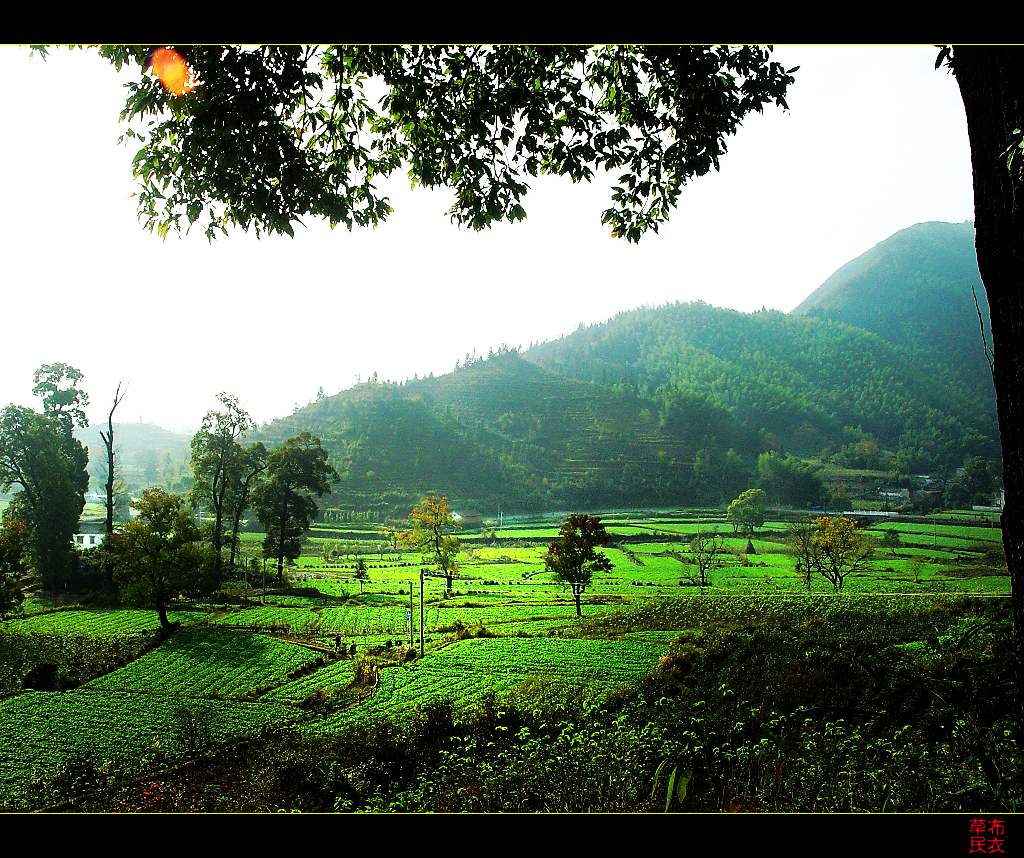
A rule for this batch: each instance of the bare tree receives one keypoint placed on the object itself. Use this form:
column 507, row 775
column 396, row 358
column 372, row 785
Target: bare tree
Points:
column 108, row 442
column 800, row 538
column 706, row 552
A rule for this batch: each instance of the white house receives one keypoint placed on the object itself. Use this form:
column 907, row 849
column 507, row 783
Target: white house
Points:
column 91, row 533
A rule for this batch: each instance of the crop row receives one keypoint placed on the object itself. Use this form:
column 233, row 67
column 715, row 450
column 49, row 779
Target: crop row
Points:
column 331, row 677
column 201, row 662
column 466, row 671
column 99, row 623
column 39, row 730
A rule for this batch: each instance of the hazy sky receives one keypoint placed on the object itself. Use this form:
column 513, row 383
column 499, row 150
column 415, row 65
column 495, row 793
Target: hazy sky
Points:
column 875, row 140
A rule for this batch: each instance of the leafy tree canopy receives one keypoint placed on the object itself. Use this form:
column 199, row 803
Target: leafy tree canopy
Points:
column 159, row 554
column 747, row 511
column 40, row 455
column 263, row 137
column 217, row 461
column 573, row 558
column 57, row 385
column 431, row 523
column 295, row 471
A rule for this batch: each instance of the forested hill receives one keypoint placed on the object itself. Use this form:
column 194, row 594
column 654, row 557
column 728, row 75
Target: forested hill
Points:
column 504, row 431
column 914, row 289
column 674, row 404
column 804, row 383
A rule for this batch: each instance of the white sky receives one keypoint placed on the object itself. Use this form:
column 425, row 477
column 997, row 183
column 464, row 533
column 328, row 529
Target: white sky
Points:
column 875, row 140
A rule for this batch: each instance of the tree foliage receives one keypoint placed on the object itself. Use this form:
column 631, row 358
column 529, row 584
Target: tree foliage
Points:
column 838, row 549
column 573, row 558
column 788, row 481
column 159, row 554
column 891, row 540
column 40, row 455
column 295, row 472
column 273, row 134
column 57, row 385
column 217, row 462
column 430, row 533
column 14, row 547
column 975, row 483
column 746, row 512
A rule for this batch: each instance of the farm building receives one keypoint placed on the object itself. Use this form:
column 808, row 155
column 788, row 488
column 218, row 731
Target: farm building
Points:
column 469, row 519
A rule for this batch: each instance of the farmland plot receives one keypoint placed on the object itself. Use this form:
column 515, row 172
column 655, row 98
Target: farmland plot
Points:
column 204, row 662
column 100, row 623
column 466, row 671
column 40, row 729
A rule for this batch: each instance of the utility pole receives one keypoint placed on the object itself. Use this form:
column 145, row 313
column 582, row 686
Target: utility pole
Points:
column 422, row 575
column 410, row 616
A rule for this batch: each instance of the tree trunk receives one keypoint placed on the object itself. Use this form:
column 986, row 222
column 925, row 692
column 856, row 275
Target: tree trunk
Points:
column 218, row 542
column 236, row 523
column 991, row 81
column 576, row 595
column 448, row 583
column 280, row 541
column 161, row 609
column 108, row 442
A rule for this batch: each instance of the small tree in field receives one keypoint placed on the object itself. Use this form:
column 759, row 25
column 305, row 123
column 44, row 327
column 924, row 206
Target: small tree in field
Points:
column 892, row 541
column 432, row 522
column 361, row 573
column 800, row 539
column 839, row 549
column 706, row 550
column 159, row 554
column 572, row 557
column 283, row 501
column 747, row 513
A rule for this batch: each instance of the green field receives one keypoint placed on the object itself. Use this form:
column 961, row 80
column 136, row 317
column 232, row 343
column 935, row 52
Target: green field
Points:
column 40, row 730
column 507, row 628
column 100, row 623
column 208, row 662
column 464, row 672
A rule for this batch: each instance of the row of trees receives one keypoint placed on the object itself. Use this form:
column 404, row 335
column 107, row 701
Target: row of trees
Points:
column 833, row 547
column 163, row 552
column 230, row 478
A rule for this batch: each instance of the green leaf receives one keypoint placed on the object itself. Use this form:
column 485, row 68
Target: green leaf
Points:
column 682, row 785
